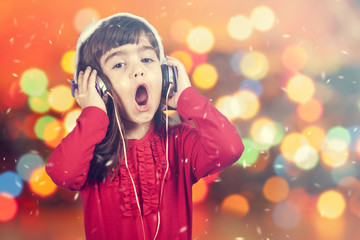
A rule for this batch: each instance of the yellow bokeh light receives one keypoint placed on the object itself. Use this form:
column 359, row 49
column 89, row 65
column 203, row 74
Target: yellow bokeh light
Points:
column 199, row 191
column 276, row 189
column 248, row 104
column 263, row 131
column 70, row 119
column 254, row 65
column 290, row 144
column 239, row 27
column 300, row 88
column 315, row 136
column 205, row 76
column 262, row 18
column 68, row 61
column 235, row 204
column 84, row 17
column 200, row 39
column 310, row 111
column 40, row 183
column 179, row 30
column 331, row 204
column 53, row 133
column 294, row 57
column 335, row 152
column 228, row 106
column 60, row 98
column 185, row 58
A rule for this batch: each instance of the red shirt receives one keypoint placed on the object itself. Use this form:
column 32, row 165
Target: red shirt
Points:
column 110, row 209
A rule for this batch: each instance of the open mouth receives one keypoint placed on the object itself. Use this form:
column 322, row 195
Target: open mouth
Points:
column 141, row 96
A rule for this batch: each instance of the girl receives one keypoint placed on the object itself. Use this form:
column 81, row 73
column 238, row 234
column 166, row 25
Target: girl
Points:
column 135, row 174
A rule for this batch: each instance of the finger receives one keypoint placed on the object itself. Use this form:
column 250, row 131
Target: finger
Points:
column 86, row 79
column 79, row 82
column 92, row 79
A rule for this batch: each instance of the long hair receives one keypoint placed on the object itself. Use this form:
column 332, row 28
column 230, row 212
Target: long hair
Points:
column 111, row 34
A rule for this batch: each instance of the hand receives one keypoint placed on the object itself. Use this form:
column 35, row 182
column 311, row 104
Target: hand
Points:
column 86, row 94
column 183, row 81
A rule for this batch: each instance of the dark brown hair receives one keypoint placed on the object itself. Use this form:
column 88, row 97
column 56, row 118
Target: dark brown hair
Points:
column 113, row 33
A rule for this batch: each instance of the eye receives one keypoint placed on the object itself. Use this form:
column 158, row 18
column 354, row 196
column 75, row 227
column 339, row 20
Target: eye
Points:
column 147, row 60
column 119, row 65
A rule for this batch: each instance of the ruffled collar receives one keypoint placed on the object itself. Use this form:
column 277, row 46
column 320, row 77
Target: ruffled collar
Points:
column 147, row 164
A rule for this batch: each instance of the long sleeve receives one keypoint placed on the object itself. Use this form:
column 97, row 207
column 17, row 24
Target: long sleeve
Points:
column 213, row 143
column 69, row 163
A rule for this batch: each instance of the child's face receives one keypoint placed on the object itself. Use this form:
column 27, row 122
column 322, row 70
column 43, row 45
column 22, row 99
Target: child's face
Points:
column 135, row 73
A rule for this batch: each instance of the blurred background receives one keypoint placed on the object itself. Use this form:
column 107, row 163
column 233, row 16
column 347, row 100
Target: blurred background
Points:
column 285, row 73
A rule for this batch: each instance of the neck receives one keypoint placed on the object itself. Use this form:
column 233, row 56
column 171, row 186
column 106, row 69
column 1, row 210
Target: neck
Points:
column 136, row 131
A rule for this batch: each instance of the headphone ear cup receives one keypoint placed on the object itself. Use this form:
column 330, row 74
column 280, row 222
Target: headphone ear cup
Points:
column 100, row 86
column 165, row 79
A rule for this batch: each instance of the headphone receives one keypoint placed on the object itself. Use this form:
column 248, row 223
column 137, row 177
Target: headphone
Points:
column 169, row 77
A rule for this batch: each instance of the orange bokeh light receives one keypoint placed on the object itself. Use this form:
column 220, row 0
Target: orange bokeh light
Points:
column 40, row 183
column 199, row 191
column 310, row 111
column 315, row 136
column 236, row 204
column 276, row 189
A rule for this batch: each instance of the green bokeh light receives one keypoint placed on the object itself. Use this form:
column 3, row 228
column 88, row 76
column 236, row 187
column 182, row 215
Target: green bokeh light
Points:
column 41, row 124
column 339, row 132
column 250, row 155
column 33, row 82
column 39, row 104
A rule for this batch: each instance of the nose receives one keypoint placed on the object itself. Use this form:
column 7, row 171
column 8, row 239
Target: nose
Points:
column 138, row 71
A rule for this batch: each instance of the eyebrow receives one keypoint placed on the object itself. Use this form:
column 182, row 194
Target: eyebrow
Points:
column 122, row 52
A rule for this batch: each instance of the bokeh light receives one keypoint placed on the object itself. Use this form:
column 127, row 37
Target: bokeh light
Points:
column 199, row 191
column 243, row 104
column 85, row 16
column 310, row 111
column 8, row 207
column 248, row 104
column 315, row 136
column 185, row 58
column 250, row 154
column 286, row 215
column 254, row 86
column 263, row 130
column 340, row 133
column 27, row 163
column 331, row 204
column 33, row 82
column 205, row 76
column 53, row 133
column 291, row 143
column 254, row 65
column 300, row 88
column 294, row 57
column 68, row 61
column 70, row 119
column 276, row 189
column 40, row 183
column 200, row 39
column 335, row 152
column 39, row 104
column 11, row 183
column 239, row 27
column 306, row 157
column 262, row 18
column 41, row 124
column 235, row 204
column 60, row 98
